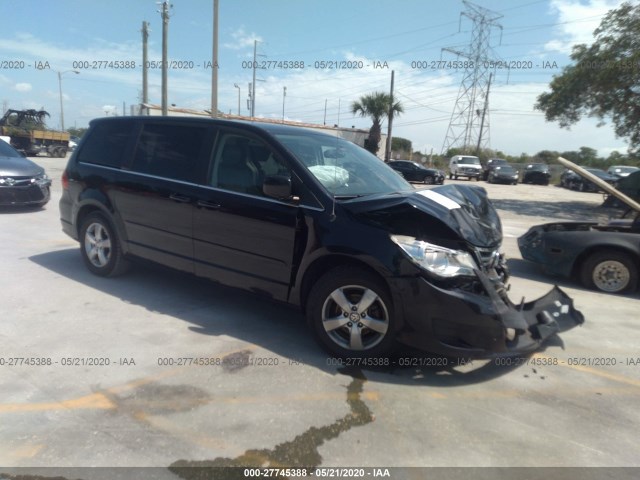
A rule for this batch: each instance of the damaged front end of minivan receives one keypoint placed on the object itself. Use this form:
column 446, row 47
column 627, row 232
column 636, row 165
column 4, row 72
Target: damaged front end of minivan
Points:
column 451, row 280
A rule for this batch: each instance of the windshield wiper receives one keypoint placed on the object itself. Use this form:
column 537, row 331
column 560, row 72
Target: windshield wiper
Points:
column 348, row 197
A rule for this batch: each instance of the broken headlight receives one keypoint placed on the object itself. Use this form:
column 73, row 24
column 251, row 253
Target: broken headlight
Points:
column 440, row 261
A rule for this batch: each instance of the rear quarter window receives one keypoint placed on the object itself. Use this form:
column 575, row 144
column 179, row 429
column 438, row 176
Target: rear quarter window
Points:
column 106, row 144
column 170, row 151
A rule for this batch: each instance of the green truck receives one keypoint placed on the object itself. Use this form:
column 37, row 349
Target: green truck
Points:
column 28, row 133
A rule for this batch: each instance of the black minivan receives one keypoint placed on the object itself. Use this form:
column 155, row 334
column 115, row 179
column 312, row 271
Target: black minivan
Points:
column 308, row 219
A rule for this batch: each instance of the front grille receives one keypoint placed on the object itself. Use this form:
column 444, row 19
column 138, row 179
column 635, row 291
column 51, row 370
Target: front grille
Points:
column 8, row 182
column 489, row 258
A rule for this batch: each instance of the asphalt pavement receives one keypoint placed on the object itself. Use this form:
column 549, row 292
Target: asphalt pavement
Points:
column 161, row 369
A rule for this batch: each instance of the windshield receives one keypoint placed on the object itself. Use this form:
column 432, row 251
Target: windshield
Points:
column 537, row 166
column 625, row 169
column 597, row 172
column 7, row 150
column 469, row 161
column 342, row 167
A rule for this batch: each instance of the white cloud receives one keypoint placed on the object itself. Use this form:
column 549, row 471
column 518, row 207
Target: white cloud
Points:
column 22, row 87
column 578, row 21
column 242, row 39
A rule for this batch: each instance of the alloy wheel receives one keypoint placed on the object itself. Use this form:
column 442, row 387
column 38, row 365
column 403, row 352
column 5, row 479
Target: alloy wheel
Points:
column 355, row 318
column 97, row 244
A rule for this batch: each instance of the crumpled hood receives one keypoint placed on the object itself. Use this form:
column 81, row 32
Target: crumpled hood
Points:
column 464, row 209
column 19, row 167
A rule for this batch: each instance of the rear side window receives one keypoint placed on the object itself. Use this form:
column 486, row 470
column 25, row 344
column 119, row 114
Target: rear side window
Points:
column 106, row 144
column 169, row 151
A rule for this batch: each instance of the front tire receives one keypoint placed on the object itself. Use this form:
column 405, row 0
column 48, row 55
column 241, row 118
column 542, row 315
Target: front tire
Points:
column 428, row 180
column 351, row 314
column 610, row 271
column 100, row 247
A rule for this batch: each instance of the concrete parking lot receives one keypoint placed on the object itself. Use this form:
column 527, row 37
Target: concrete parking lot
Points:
column 157, row 368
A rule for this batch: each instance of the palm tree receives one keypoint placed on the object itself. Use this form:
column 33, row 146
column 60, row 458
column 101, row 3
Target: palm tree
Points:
column 375, row 105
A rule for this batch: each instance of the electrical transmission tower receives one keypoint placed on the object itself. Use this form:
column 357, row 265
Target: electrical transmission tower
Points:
column 469, row 124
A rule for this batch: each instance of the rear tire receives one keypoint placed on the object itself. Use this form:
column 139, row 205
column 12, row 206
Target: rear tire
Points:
column 610, row 271
column 100, row 247
column 351, row 314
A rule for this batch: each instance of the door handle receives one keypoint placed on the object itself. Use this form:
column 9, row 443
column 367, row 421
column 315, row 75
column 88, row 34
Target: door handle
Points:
column 207, row 204
column 176, row 197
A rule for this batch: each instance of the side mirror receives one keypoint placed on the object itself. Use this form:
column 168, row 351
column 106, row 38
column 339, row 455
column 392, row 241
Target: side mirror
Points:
column 277, row 186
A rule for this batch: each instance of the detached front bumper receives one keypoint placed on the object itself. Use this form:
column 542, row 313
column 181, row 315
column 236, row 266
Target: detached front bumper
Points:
column 459, row 323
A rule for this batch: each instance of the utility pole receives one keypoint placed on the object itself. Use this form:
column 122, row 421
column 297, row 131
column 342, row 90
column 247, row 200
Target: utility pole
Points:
column 464, row 127
column 145, row 62
column 253, row 93
column 60, row 90
column 324, row 122
column 387, row 153
column 252, row 90
column 214, row 73
column 165, row 33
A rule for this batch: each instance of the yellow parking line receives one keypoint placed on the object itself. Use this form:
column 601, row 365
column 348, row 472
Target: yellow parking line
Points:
column 26, row 451
column 95, row 401
column 99, row 400
column 594, row 371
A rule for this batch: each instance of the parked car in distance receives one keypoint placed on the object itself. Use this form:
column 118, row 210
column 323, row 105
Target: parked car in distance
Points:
column 621, row 171
column 629, row 186
column 466, row 166
column 414, row 172
column 491, row 164
column 585, row 185
column 603, row 257
column 504, row 174
column 307, row 219
column 568, row 178
column 536, row 173
column 22, row 182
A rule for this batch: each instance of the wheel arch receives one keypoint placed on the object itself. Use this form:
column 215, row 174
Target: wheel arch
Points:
column 326, row 263
column 580, row 259
column 86, row 210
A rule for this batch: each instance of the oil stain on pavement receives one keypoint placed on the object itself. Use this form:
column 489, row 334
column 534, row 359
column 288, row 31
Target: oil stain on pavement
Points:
column 302, row 451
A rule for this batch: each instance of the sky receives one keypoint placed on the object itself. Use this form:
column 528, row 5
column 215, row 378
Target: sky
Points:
column 43, row 44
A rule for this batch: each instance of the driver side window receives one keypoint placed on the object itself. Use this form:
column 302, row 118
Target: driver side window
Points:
column 241, row 164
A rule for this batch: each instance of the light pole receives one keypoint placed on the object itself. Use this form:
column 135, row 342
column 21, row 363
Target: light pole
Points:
column 60, row 89
column 238, row 87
